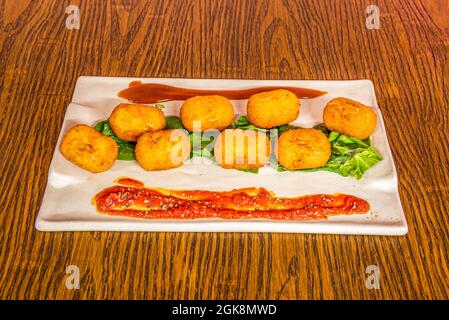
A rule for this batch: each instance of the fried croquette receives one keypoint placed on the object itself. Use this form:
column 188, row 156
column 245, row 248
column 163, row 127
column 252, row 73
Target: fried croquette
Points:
column 201, row 113
column 303, row 149
column 350, row 117
column 129, row 121
column 242, row 149
column 162, row 150
column 272, row 108
column 89, row 149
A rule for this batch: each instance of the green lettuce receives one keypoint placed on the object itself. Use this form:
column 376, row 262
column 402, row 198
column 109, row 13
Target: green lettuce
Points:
column 243, row 123
column 250, row 170
column 126, row 150
column 350, row 156
column 173, row 122
column 205, row 144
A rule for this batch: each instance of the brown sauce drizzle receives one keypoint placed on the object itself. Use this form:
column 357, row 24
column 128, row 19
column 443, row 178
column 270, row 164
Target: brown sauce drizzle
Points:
column 139, row 92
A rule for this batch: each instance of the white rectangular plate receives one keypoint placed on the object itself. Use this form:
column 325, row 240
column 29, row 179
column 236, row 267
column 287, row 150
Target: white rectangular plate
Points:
column 67, row 206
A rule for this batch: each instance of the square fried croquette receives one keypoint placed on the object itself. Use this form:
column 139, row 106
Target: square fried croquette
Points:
column 272, row 108
column 242, row 149
column 209, row 112
column 303, row 149
column 89, row 149
column 350, row 117
column 162, row 150
column 129, row 121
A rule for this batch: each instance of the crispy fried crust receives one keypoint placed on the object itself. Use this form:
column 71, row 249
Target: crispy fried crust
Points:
column 129, row 121
column 303, row 149
column 242, row 149
column 214, row 112
column 162, row 150
column 350, row 117
column 272, row 108
column 89, row 149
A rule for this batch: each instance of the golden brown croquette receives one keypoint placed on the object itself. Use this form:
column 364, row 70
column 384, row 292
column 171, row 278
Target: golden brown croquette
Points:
column 303, row 149
column 89, row 149
column 162, row 150
column 129, row 121
column 350, row 117
column 272, row 108
column 242, row 149
column 207, row 112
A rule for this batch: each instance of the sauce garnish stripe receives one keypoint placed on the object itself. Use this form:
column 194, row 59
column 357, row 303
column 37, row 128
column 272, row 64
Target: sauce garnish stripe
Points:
column 130, row 198
column 139, row 92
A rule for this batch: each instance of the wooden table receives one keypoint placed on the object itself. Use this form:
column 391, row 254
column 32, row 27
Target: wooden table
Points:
column 407, row 59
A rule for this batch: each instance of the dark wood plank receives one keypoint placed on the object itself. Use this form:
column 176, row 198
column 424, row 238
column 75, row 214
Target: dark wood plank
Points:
column 407, row 59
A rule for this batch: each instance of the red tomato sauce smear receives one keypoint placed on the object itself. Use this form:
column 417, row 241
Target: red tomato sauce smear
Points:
column 132, row 199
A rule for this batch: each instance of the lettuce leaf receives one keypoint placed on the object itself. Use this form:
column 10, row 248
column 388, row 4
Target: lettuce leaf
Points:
column 250, row 170
column 350, row 156
column 202, row 145
column 244, row 124
column 126, row 150
column 173, row 122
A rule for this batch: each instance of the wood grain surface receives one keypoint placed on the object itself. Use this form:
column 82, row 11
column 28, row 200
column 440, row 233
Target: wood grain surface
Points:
column 407, row 59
